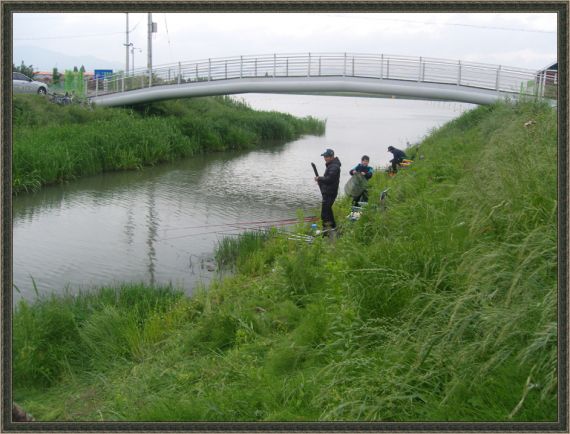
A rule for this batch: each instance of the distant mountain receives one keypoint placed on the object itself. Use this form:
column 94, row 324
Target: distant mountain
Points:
column 45, row 60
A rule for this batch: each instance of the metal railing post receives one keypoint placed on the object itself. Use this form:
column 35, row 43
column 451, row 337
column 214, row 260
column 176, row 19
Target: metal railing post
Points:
column 150, row 78
column 543, row 87
column 122, row 82
column 459, row 74
column 209, row 69
column 353, row 65
column 179, row 72
column 388, row 68
column 240, row 66
column 381, row 66
column 287, row 67
column 320, row 58
column 420, row 71
column 274, row 64
column 344, row 71
column 96, row 86
column 226, row 69
column 309, row 66
column 255, row 67
column 498, row 77
column 196, row 72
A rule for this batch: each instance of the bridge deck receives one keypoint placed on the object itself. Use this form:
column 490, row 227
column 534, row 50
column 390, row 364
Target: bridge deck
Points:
column 344, row 73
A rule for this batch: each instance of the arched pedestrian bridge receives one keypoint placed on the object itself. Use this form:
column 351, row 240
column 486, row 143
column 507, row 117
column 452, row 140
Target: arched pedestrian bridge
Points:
column 376, row 75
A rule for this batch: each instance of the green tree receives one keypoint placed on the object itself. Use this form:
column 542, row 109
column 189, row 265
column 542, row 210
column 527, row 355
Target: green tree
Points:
column 69, row 82
column 26, row 70
column 75, row 69
column 82, row 69
column 55, row 76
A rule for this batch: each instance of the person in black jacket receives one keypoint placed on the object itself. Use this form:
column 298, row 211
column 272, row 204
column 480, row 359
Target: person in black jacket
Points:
column 328, row 183
column 399, row 156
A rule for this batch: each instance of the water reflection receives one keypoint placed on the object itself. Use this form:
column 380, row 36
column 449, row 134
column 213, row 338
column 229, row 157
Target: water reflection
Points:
column 152, row 224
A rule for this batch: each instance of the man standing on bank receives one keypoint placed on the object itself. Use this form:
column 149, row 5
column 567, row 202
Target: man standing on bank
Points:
column 328, row 183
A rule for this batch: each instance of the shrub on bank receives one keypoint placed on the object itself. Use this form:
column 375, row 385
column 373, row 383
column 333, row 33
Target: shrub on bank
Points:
column 54, row 144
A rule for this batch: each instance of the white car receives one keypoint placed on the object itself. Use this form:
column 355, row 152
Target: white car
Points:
column 23, row 84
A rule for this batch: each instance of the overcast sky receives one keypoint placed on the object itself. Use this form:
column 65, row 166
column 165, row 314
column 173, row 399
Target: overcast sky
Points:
column 526, row 40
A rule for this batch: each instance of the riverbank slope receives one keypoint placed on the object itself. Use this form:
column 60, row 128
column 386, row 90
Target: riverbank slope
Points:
column 438, row 305
column 54, row 143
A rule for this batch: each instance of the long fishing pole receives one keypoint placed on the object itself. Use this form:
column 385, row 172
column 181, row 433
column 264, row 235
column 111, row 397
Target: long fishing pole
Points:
column 240, row 225
column 316, row 174
column 259, row 222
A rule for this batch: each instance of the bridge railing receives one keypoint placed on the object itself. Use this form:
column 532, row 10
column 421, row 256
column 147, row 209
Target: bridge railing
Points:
column 375, row 66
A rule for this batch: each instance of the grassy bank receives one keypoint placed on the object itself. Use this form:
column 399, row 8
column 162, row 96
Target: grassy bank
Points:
column 440, row 307
column 53, row 143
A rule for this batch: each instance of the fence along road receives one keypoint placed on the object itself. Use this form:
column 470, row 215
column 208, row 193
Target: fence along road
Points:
column 326, row 74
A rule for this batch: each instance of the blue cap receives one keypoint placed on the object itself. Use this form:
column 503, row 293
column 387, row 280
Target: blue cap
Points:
column 328, row 153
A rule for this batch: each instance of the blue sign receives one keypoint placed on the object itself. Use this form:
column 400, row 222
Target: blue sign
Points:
column 101, row 73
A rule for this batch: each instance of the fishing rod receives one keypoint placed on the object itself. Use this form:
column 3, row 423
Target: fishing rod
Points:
column 315, row 169
column 240, row 225
column 316, row 174
column 260, row 222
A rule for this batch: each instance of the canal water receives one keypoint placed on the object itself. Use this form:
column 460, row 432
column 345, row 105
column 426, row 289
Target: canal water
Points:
column 162, row 224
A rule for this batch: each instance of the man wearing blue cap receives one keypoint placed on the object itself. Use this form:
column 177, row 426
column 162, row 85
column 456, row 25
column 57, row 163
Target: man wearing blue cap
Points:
column 328, row 183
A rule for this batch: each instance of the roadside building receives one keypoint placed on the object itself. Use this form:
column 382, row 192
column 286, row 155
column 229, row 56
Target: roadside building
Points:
column 44, row 77
column 549, row 74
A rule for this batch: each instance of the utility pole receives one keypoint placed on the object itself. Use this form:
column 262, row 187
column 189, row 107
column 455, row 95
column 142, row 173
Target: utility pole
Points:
column 149, row 45
column 151, row 29
column 127, row 45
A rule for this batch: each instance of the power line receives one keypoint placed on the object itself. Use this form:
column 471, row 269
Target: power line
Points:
column 168, row 38
column 97, row 35
column 69, row 37
column 479, row 26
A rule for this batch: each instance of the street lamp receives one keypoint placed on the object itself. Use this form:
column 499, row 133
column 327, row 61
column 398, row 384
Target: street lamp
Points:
column 127, row 46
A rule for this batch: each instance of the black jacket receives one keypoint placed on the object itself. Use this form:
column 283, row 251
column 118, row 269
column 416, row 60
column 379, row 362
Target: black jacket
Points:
column 398, row 155
column 330, row 179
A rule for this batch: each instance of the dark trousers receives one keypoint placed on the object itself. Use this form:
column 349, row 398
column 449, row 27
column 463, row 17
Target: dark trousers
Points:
column 327, row 215
column 395, row 163
column 362, row 198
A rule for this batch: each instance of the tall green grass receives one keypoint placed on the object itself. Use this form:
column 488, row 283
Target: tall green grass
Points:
column 233, row 253
column 54, row 144
column 440, row 306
